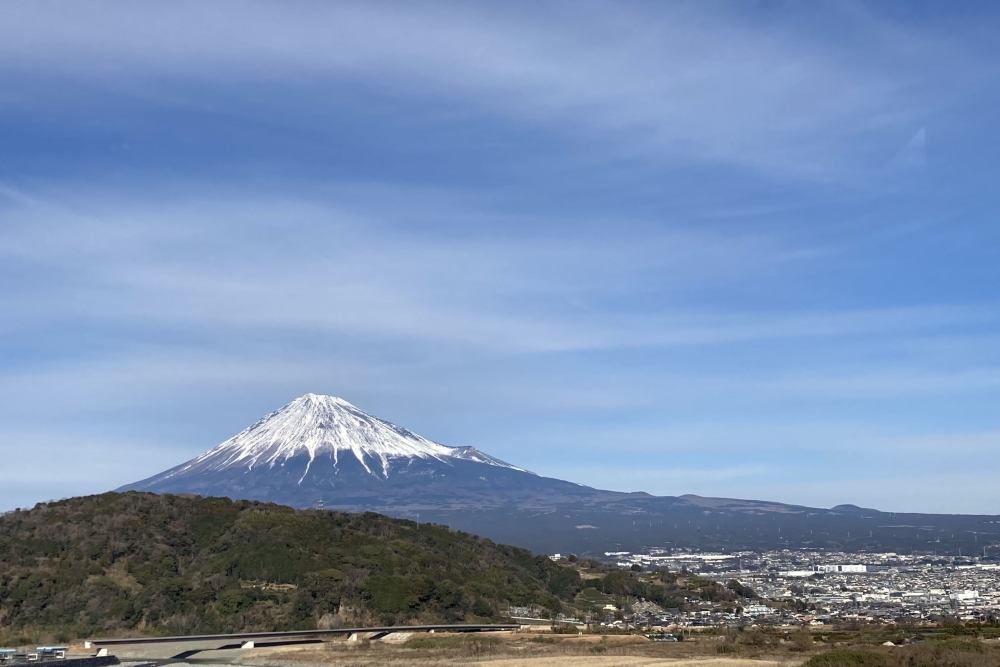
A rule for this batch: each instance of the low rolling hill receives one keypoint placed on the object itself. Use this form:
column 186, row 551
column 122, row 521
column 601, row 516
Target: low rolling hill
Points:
column 140, row 563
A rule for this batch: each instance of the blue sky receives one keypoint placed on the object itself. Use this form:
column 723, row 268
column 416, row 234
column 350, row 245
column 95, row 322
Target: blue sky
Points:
column 742, row 249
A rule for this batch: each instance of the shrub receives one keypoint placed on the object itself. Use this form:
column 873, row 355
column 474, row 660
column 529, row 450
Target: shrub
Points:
column 847, row 658
column 565, row 629
column 962, row 645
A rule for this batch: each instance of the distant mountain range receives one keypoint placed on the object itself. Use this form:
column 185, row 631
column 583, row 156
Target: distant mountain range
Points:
column 323, row 450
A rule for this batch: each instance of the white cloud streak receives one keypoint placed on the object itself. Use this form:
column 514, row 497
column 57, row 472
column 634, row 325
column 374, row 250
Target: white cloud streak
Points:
column 316, row 266
column 674, row 84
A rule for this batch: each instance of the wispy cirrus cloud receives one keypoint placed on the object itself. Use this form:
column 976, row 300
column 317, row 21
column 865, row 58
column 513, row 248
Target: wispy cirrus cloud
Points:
column 681, row 83
column 323, row 265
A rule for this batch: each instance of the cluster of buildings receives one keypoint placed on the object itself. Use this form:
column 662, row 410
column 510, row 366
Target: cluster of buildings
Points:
column 795, row 587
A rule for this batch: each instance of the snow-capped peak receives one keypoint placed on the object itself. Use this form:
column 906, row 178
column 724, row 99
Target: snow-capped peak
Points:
column 317, row 425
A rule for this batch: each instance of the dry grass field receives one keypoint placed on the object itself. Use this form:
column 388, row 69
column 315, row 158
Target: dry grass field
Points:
column 870, row 647
column 522, row 650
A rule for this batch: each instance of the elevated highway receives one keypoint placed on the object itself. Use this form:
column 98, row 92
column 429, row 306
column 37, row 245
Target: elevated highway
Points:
column 182, row 647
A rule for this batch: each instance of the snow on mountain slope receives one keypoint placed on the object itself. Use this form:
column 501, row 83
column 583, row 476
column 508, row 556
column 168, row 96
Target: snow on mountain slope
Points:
column 315, row 426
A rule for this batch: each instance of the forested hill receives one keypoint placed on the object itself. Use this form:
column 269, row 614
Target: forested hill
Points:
column 142, row 563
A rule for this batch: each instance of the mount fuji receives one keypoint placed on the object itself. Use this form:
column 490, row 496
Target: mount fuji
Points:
column 323, row 451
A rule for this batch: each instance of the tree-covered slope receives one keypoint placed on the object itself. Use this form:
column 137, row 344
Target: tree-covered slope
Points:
column 142, row 563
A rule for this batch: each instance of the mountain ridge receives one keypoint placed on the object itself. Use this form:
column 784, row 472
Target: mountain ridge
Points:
column 323, row 450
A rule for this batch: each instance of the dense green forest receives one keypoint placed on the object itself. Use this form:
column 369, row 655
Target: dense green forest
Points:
column 138, row 563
